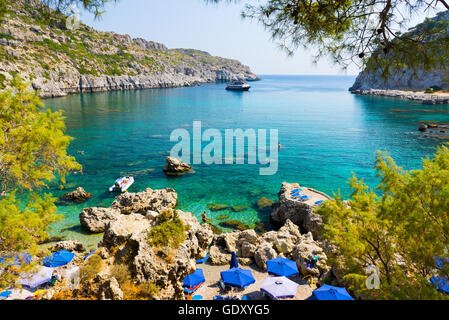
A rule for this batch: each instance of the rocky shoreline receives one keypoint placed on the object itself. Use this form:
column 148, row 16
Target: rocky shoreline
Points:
column 128, row 223
column 58, row 61
column 425, row 98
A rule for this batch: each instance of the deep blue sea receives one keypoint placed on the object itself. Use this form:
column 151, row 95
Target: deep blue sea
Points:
column 326, row 133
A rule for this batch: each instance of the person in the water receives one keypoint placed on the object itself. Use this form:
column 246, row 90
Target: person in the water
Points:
column 205, row 218
column 279, row 145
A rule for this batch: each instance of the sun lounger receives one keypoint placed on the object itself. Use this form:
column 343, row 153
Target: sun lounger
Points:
column 191, row 290
column 218, row 297
column 319, row 202
column 197, row 297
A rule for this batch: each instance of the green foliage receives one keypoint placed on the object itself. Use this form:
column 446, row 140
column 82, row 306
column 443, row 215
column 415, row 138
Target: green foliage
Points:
column 22, row 228
column 353, row 31
column 399, row 231
column 32, row 152
column 32, row 141
column 170, row 232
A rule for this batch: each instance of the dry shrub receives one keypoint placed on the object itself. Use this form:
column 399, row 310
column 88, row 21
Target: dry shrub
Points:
column 144, row 291
column 121, row 273
column 62, row 295
column 91, row 267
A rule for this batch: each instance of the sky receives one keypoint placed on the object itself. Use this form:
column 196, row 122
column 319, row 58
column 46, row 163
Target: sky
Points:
column 216, row 28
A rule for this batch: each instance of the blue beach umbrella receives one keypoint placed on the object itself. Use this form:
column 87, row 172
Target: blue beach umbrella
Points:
column 5, row 294
column 237, row 277
column 282, row 267
column 194, row 279
column 58, row 259
column 327, row 292
column 234, row 263
column 20, row 258
column 441, row 284
column 296, row 190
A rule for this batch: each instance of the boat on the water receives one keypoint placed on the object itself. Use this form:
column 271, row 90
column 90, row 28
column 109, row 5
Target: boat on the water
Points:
column 238, row 85
column 122, row 184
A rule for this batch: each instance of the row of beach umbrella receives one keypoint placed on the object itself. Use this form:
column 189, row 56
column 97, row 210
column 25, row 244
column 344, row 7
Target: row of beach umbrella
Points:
column 277, row 287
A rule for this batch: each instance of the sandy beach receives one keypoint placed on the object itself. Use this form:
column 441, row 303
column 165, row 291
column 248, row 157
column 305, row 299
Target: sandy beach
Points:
column 211, row 288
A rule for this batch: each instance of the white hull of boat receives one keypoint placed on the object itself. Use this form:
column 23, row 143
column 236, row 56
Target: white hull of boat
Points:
column 122, row 184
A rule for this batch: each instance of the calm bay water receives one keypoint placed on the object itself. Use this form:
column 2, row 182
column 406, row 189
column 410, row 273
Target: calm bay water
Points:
column 326, row 134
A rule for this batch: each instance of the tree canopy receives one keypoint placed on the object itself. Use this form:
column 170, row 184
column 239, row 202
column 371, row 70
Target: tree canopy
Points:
column 352, row 31
column 400, row 232
column 33, row 152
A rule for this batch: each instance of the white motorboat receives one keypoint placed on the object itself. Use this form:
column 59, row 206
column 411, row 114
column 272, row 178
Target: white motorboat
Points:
column 238, row 85
column 122, row 184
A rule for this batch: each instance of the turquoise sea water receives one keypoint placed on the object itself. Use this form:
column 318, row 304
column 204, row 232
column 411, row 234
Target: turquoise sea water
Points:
column 326, row 134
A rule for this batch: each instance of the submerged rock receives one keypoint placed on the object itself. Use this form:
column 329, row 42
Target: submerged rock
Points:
column 79, row 195
column 264, row 203
column 217, row 207
column 174, row 166
column 234, row 224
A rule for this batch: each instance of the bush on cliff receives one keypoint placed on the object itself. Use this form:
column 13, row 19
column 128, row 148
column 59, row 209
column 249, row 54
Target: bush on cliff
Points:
column 399, row 232
column 170, row 232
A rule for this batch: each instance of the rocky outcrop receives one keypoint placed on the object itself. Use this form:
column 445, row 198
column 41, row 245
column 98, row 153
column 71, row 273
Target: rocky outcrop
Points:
column 69, row 245
column 58, row 62
column 174, row 166
column 96, row 219
column 146, row 201
column 299, row 212
column 79, row 195
column 287, row 242
column 400, row 82
column 310, row 257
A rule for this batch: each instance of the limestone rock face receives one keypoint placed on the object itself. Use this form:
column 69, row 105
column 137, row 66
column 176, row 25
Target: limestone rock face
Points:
column 300, row 213
column 108, row 288
column 123, row 228
column 96, row 219
column 79, row 195
column 305, row 254
column 174, row 166
column 217, row 256
column 263, row 253
column 69, row 245
column 139, row 64
column 126, row 240
column 148, row 200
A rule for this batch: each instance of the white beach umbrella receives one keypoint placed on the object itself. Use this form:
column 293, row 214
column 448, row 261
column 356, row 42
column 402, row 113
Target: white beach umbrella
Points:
column 35, row 279
column 279, row 287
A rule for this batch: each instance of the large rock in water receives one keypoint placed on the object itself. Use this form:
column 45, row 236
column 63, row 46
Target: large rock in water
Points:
column 96, row 219
column 175, row 166
column 79, row 195
column 299, row 212
column 148, row 200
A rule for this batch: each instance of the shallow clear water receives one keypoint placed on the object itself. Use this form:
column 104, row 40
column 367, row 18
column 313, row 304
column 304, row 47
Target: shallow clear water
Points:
column 326, row 134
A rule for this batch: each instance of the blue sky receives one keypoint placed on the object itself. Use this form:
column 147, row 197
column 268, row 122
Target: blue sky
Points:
column 215, row 28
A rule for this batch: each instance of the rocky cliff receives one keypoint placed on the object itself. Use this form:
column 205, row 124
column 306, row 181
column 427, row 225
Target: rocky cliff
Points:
column 416, row 78
column 59, row 61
